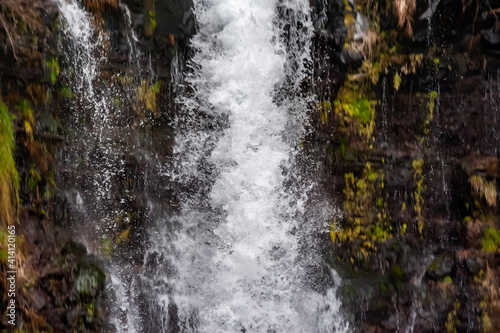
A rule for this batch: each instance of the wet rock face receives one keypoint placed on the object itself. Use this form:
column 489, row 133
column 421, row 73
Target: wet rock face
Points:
column 409, row 138
column 175, row 18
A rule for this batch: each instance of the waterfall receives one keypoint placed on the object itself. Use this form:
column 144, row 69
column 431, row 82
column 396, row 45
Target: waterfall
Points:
column 239, row 253
column 232, row 257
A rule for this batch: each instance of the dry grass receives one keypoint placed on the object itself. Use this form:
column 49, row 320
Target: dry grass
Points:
column 488, row 189
column 404, row 11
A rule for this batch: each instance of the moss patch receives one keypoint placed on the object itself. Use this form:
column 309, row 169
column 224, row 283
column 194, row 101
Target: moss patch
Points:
column 9, row 178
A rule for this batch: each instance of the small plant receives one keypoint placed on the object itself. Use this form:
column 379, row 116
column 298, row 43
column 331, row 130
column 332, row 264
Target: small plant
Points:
column 150, row 24
column 34, row 178
column 106, row 246
column 397, row 81
column 86, row 283
column 27, row 118
column 447, row 279
column 152, row 18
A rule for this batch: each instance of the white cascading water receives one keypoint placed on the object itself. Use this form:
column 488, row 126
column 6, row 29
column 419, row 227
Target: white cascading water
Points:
column 234, row 260
column 86, row 55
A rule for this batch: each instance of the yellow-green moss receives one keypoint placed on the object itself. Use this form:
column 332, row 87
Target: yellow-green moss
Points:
column 430, row 115
column 9, row 178
column 417, row 195
column 397, row 81
column 357, row 113
column 491, row 240
column 452, row 321
column 364, row 206
column 147, row 95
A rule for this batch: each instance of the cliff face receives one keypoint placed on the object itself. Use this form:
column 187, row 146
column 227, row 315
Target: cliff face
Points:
column 408, row 129
column 60, row 287
column 405, row 131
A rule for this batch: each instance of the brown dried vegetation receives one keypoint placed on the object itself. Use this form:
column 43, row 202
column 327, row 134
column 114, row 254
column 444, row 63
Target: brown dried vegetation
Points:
column 404, row 11
column 97, row 6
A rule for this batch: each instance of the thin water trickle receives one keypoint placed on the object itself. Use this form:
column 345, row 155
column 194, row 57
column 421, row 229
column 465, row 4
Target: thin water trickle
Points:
column 384, row 108
column 132, row 40
column 94, row 157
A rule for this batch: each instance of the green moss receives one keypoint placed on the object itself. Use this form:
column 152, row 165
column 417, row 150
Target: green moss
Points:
column 360, row 108
column 348, row 291
column 66, row 92
column 485, row 321
column 9, row 178
column 34, row 178
column 89, row 279
column 343, row 146
column 396, row 275
column 491, row 240
column 53, row 64
column 381, row 233
column 356, row 113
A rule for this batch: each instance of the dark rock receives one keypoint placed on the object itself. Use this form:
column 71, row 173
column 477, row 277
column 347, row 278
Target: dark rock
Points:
column 474, row 265
column 175, row 17
column 72, row 247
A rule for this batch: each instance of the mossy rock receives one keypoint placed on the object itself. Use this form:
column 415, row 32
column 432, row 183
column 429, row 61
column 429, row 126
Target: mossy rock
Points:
column 441, row 266
column 89, row 279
